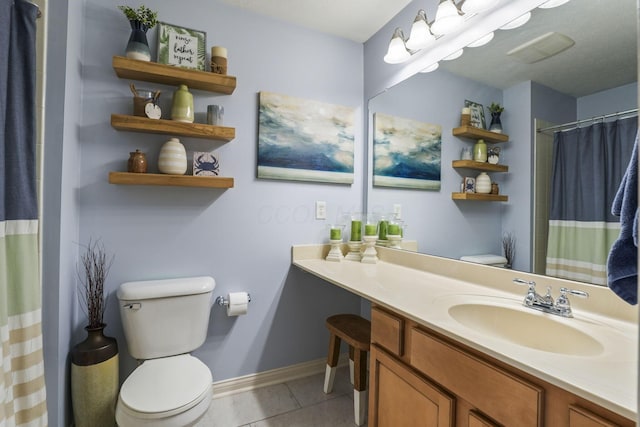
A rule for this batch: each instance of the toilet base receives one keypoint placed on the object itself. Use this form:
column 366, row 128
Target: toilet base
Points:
column 125, row 417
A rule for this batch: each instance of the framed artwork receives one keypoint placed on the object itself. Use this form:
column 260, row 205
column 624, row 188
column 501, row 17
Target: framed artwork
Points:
column 406, row 153
column 304, row 140
column 182, row 47
column 469, row 185
column 205, row 164
column 477, row 114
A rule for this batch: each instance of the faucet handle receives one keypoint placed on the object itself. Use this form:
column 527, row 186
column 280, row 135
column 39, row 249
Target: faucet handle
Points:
column 562, row 303
column 531, row 284
column 576, row 292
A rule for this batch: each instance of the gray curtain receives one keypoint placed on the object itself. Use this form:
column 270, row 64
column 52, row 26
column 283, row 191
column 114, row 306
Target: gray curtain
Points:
column 22, row 388
column 588, row 165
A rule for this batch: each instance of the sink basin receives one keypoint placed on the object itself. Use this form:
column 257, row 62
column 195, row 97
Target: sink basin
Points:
column 526, row 327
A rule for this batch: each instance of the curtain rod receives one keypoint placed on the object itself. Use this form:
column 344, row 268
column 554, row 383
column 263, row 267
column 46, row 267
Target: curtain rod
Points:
column 592, row 119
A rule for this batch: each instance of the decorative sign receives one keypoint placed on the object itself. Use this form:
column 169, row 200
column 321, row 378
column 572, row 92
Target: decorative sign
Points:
column 477, row 114
column 182, row 47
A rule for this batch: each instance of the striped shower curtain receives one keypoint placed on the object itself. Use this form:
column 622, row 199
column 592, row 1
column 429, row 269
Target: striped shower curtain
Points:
column 22, row 389
column 588, row 165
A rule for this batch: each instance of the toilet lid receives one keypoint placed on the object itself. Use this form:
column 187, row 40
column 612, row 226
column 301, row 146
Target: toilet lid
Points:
column 165, row 384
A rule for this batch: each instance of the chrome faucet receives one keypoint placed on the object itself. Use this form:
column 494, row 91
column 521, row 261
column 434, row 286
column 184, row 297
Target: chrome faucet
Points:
column 546, row 303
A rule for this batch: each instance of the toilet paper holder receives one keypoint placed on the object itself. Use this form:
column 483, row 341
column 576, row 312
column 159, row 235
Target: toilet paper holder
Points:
column 223, row 302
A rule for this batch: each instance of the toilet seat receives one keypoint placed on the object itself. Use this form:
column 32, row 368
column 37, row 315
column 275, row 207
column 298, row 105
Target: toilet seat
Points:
column 166, row 386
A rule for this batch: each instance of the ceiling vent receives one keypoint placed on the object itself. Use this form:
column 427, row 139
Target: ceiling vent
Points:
column 541, row 47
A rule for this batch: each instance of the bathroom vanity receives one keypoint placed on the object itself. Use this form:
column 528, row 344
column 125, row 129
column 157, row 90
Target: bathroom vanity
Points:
column 452, row 345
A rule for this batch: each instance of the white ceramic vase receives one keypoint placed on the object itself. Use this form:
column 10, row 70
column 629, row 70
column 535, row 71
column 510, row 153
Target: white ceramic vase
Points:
column 173, row 158
column 483, row 183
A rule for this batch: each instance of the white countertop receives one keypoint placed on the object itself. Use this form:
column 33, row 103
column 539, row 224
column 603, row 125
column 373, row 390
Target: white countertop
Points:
column 423, row 287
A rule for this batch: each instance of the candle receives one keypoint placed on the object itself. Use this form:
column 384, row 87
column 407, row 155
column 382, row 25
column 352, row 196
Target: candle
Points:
column 356, row 230
column 382, row 234
column 219, row 51
column 394, row 229
column 370, row 229
column 335, row 234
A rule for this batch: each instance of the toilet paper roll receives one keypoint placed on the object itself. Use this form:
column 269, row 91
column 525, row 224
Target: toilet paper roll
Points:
column 238, row 303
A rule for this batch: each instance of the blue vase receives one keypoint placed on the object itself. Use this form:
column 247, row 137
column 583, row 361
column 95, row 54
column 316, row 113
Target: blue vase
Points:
column 138, row 47
column 496, row 123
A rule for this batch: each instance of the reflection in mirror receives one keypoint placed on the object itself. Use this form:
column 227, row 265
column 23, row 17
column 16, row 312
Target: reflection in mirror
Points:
column 594, row 77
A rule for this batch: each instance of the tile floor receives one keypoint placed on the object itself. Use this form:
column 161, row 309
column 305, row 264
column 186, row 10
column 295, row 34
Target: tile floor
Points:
column 298, row 403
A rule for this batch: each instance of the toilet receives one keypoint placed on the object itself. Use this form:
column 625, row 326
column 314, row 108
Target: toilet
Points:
column 163, row 321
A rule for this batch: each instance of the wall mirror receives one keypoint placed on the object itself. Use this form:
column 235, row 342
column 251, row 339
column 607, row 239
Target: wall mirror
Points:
column 596, row 76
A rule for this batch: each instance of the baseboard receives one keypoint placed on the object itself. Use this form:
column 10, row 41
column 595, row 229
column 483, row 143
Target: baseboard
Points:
column 273, row 376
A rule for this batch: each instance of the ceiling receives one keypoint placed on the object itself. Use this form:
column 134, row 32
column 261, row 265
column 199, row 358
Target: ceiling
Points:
column 604, row 55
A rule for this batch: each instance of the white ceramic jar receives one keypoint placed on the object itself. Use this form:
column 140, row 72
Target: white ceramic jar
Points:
column 483, row 183
column 173, row 158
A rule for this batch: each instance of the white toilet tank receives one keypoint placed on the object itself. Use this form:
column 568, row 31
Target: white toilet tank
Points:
column 164, row 318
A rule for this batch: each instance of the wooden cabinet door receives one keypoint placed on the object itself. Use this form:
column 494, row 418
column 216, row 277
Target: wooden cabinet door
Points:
column 579, row 417
column 399, row 397
column 478, row 420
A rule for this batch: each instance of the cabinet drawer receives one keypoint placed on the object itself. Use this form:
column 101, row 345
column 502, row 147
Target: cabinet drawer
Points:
column 579, row 417
column 502, row 396
column 387, row 330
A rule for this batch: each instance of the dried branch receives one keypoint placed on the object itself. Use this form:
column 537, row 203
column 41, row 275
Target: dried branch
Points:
column 92, row 274
column 509, row 247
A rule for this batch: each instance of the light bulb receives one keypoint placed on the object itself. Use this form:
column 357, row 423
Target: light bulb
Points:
column 431, row 68
column 397, row 51
column 475, row 6
column 420, row 36
column 482, row 40
column 455, row 55
column 448, row 18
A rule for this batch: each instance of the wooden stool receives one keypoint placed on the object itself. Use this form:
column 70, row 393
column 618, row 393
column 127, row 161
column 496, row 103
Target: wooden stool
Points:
column 356, row 332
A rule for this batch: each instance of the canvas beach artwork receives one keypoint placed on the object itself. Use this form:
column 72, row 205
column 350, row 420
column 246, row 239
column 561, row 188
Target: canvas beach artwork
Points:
column 305, row 140
column 406, row 153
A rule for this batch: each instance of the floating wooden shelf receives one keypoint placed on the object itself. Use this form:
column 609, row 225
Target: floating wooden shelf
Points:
column 153, row 72
column 172, row 127
column 480, row 197
column 481, row 166
column 127, row 178
column 477, row 133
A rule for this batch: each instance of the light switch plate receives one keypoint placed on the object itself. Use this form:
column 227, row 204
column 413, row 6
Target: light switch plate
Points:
column 397, row 210
column 321, row 210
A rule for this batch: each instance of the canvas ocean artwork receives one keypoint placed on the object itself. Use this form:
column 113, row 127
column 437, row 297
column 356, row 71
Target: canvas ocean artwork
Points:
column 305, row 140
column 406, row 153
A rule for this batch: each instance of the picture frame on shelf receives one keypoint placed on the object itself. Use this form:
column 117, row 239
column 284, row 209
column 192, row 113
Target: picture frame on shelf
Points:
column 469, row 185
column 181, row 47
column 477, row 114
column 205, row 164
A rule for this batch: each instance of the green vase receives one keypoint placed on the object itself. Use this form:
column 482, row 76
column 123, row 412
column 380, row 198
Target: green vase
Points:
column 480, row 151
column 95, row 380
column 182, row 106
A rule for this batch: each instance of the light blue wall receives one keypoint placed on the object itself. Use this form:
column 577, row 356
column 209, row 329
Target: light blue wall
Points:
column 241, row 236
column 441, row 225
column 614, row 100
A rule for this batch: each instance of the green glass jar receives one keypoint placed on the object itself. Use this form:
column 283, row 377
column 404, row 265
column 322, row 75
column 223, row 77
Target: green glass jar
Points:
column 480, row 151
column 182, row 106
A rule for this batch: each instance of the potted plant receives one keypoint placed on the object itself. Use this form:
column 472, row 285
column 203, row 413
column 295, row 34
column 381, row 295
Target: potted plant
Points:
column 496, row 110
column 94, row 361
column 141, row 20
